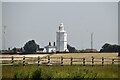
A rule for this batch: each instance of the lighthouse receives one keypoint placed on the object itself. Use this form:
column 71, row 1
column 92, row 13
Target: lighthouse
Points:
column 61, row 39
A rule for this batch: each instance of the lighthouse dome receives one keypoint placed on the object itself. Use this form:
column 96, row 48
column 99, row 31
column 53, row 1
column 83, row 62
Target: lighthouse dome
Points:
column 61, row 24
column 61, row 27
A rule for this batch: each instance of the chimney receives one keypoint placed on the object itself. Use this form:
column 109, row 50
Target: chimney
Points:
column 54, row 44
column 49, row 43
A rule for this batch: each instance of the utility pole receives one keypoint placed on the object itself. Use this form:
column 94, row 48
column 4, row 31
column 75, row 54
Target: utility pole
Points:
column 4, row 44
column 92, row 41
column 59, row 38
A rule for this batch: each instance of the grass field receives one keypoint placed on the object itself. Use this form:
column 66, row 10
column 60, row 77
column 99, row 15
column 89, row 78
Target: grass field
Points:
column 19, row 71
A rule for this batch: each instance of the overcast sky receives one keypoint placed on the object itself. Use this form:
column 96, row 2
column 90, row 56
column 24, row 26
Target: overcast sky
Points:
column 39, row 21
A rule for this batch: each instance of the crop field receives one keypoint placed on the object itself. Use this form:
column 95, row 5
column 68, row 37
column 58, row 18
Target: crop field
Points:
column 87, row 55
column 77, row 58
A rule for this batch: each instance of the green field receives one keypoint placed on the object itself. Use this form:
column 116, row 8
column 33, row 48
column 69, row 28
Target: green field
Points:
column 54, row 71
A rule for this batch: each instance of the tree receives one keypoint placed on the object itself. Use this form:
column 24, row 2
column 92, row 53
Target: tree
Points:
column 14, row 50
column 31, row 46
column 106, row 45
column 110, row 48
column 71, row 49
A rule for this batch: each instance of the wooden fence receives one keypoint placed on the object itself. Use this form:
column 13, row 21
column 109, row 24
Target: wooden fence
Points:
column 60, row 61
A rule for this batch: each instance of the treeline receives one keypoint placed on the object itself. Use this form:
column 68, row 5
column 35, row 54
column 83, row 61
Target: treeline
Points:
column 106, row 48
column 31, row 47
column 110, row 48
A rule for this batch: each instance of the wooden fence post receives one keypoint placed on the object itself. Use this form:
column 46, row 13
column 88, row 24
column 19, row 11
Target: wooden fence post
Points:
column 12, row 60
column 38, row 60
column 48, row 60
column 83, row 61
column 92, row 60
column 23, row 60
column 71, row 60
column 102, row 61
column 112, row 61
column 61, row 61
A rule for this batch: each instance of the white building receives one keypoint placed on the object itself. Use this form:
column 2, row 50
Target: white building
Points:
column 61, row 39
column 49, row 48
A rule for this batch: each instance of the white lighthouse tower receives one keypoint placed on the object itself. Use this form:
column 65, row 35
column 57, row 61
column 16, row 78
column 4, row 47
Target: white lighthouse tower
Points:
column 61, row 39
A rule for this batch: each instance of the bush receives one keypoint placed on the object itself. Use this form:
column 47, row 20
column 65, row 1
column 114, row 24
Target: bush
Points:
column 19, row 75
column 38, row 74
column 83, row 74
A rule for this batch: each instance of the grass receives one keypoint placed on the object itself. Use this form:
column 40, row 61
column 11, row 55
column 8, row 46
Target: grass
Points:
column 55, row 71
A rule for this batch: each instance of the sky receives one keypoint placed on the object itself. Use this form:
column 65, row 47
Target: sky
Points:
column 60, row 0
column 0, row 25
column 39, row 21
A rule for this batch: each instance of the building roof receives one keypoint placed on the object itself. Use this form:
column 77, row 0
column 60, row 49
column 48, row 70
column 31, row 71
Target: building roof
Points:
column 90, row 50
column 41, row 49
column 50, row 46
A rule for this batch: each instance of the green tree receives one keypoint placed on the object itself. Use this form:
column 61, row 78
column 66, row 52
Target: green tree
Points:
column 14, row 50
column 110, row 48
column 31, row 46
column 71, row 49
column 106, row 45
